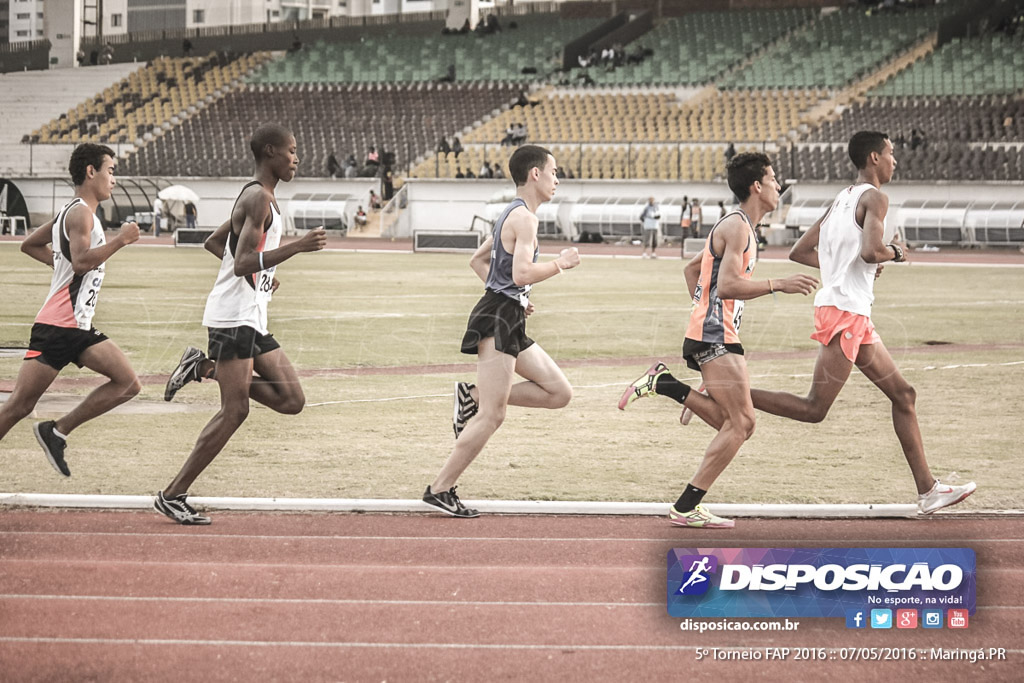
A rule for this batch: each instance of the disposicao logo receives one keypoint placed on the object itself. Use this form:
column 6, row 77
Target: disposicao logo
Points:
column 696, row 579
column 818, row 582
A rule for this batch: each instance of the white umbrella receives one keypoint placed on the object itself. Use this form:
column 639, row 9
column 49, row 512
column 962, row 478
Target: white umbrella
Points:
column 178, row 193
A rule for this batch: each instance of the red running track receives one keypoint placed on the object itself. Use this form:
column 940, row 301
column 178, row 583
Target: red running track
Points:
column 87, row 595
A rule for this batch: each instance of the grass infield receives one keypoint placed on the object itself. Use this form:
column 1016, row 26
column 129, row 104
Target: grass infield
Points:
column 362, row 328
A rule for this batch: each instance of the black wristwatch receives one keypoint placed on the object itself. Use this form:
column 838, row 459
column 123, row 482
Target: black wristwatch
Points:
column 898, row 256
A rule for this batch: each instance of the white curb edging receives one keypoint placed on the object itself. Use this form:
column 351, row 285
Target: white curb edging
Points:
column 539, row 507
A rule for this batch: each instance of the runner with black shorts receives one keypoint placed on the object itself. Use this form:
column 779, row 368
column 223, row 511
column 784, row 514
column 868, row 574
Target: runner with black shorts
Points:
column 74, row 245
column 496, row 332
column 249, row 246
column 719, row 282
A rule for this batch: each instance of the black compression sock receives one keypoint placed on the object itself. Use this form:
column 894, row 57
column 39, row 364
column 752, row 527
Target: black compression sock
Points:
column 690, row 499
column 667, row 385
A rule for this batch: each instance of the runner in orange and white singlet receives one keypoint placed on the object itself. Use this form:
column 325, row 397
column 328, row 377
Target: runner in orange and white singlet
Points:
column 74, row 245
column 719, row 281
column 714, row 319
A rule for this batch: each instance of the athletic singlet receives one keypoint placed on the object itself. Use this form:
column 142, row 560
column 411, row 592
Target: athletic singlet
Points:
column 499, row 277
column 242, row 301
column 713, row 319
column 847, row 280
column 72, row 298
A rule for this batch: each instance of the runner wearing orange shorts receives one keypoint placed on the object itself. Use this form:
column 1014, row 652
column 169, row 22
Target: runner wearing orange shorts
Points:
column 849, row 244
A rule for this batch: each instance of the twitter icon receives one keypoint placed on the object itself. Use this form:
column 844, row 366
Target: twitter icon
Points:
column 881, row 618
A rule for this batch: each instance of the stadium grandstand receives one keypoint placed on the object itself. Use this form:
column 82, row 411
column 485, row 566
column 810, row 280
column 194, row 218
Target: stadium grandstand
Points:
column 651, row 92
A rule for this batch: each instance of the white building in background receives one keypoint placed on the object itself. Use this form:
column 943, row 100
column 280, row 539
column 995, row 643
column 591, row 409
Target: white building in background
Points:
column 24, row 20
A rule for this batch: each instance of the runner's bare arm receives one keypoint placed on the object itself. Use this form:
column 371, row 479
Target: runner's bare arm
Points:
column 805, row 251
column 37, row 245
column 523, row 225
column 78, row 223
column 735, row 234
column 217, row 242
column 480, row 262
column 871, row 212
column 691, row 273
column 256, row 205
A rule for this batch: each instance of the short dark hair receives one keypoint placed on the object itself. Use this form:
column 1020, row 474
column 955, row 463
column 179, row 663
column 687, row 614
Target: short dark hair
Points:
column 85, row 155
column 270, row 134
column 524, row 159
column 743, row 170
column 863, row 143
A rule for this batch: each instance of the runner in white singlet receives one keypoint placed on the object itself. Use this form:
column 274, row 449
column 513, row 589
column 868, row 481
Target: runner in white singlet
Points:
column 74, row 245
column 243, row 356
column 848, row 244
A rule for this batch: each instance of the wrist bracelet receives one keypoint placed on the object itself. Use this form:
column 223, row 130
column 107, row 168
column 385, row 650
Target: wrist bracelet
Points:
column 897, row 252
column 771, row 290
column 557, row 266
column 261, row 261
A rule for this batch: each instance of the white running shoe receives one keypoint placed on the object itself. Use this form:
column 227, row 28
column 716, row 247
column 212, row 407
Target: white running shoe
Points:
column 943, row 495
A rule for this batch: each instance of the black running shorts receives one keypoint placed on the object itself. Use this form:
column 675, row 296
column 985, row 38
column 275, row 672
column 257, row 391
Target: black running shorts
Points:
column 697, row 353
column 58, row 346
column 501, row 317
column 229, row 343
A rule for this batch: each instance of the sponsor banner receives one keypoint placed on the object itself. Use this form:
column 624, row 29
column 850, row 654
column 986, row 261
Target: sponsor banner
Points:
column 818, row 582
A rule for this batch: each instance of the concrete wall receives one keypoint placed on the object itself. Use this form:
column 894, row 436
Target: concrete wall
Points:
column 452, row 204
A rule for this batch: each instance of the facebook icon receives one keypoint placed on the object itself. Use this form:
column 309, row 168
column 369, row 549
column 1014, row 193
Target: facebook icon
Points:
column 855, row 618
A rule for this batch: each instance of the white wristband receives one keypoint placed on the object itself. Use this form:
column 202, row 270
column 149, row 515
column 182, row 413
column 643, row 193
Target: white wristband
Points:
column 557, row 266
column 261, row 261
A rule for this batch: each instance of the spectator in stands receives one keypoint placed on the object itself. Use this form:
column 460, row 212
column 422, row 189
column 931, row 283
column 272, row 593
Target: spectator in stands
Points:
column 296, row 43
column 158, row 211
column 333, row 167
column 443, row 147
column 350, row 169
column 695, row 216
column 459, row 173
column 80, row 57
column 360, row 217
column 650, row 221
column 107, row 56
column 560, row 173
column 916, row 138
column 510, row 136
column 186, row 47
column 372, row 157
column 519, row 134
column 449, row 76
column 730, row 152
column 486, row 171
column 524, row 101
column 375, row 202
column 388, row 181
column 191, row 214
column 456, row 147
column 498, row 172
column 469, row 173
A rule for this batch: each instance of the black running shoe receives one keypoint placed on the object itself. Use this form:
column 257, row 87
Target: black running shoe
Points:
column 448, row 502
column 52, row 445
column 187, row 371
column 177, row 509
column 464, row 407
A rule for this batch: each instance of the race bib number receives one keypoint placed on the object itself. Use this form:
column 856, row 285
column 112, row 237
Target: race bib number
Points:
column 737, row 316
column 265, row 284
